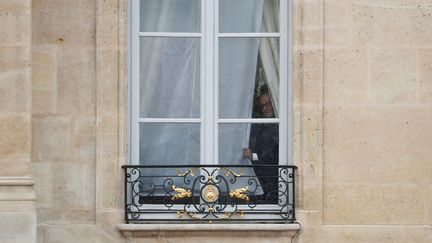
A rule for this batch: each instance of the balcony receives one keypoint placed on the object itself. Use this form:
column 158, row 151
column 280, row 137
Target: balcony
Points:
column 209, row 193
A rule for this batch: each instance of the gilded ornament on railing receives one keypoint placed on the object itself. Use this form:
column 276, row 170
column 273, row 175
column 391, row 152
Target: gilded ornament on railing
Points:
column 239, row 193
column 182, row 193
column 190, row 171
column 210, row 193
column 229, row 171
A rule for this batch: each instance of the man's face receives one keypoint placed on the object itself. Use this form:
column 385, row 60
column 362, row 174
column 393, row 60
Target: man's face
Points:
column 266, row 106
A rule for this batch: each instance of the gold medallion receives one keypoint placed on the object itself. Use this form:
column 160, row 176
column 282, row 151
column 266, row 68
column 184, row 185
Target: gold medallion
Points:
column 210, row 193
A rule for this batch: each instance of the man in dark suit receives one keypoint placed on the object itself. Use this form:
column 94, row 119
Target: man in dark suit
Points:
column 264, row 149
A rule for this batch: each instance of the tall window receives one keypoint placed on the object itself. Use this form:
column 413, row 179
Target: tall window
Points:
column 210, row 82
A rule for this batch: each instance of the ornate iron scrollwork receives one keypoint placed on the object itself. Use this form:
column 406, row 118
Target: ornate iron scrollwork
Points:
column 209, row 193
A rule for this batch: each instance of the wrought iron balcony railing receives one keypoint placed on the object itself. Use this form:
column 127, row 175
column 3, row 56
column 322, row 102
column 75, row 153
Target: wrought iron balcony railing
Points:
column 209, row 193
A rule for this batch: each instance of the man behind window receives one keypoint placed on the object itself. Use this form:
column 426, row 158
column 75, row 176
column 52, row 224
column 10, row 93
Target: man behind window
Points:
column 264, row 149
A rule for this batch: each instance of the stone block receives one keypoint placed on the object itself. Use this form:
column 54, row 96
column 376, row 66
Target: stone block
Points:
column 84, row 140
column 337, row 13
column 44, row 101
column 73, row 186
column 108, row 125
column 311, row 88
column 428, row 208
column 310, row 235
column 107, row 222
column 52, row 138
column 15, row 27
column 15, row 167
column 407, row 23
column 373, row 233
column 16, row 193
column 13, row 58
column 363, row 18
column 40, row 235
column 76, row 82
column 338, row 26
column 338, row 36
column 297, row 75
column 63, row 139
column 44, row 69
column 15, row 95
column 222, row 237
column 394, row 76
column 377, row 145
column 15, row 138
column 44, row 80
column 312, row 142
column 312, row 196
column 23, row 206
column 109, row 179
column 346, row 76
column 312, row 37
column 72, row 234
column 61, row 5
column 425, row 66
column 310, row 219
column 373, row 204
column 60, row 216
column 108, row 148
column 108, row 25
column 107, row 83
column 312, row 14
column 42, row 173
column 429, row 234
column 64, row 23
column 17, row 227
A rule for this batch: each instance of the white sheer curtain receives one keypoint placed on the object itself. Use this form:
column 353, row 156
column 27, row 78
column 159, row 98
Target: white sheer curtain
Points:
column 169, row 87
column 237, row 71
column 169, row 82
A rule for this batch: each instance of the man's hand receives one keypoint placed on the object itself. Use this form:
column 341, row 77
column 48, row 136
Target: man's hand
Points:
column 247, row 153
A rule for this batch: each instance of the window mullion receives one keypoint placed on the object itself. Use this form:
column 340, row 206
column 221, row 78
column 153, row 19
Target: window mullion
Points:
column 216, row 80
column 209, row 83
column 134, row 135
column 285, row 86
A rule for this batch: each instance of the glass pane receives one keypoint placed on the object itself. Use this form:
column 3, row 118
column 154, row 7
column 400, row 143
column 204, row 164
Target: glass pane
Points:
column 239, row 142
column 252, row 144
column 170, row 15
column 169, row 77
column 248, row 77
column 249, row 16
column 168, row 144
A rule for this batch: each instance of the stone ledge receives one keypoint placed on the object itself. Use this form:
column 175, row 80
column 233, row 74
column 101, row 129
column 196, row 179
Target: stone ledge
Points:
column 17, row 189
column 131, row 230
column 16, row 181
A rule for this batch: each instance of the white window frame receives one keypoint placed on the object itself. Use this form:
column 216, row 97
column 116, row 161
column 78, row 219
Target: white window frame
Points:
column 209, row 39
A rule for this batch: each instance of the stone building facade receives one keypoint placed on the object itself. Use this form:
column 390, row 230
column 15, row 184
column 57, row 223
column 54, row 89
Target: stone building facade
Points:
column 362, row 86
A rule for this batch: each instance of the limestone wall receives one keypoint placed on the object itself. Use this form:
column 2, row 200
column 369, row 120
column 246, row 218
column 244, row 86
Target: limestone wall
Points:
column 362, row 116
column 368, row 65
column 75, row 117
column 17, row 197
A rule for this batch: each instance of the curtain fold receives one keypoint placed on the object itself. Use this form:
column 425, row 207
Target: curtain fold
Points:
column 237, row 72
column 269, row 51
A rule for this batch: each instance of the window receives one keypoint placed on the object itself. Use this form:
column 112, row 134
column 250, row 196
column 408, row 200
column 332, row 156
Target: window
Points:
column 210, row 85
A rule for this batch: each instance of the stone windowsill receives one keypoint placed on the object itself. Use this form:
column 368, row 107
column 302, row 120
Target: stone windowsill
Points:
column 134, row 230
